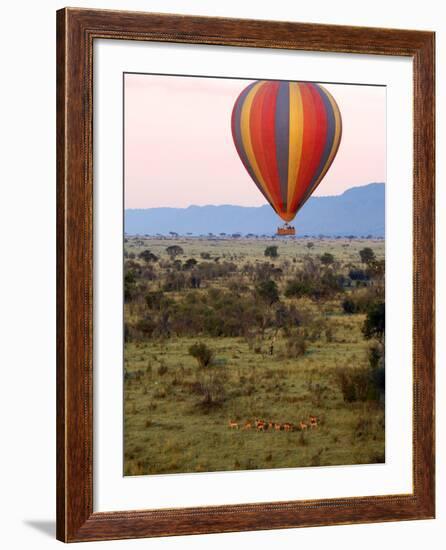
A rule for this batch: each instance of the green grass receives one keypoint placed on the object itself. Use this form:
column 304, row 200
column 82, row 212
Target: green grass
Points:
column 169, row 430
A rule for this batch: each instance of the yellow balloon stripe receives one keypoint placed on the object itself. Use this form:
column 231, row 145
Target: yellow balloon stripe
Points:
column 296, row 131
column 246, row 139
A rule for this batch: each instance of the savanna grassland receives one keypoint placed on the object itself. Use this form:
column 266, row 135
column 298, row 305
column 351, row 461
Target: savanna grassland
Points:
column 222, row 331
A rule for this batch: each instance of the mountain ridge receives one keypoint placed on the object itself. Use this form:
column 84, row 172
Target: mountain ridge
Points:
column 357, row 211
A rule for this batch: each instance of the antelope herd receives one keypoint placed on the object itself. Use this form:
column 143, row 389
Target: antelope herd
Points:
column 264, row 425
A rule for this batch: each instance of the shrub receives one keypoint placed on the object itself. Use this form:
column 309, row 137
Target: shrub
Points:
column 174, row 282
column 329, row 336
column 357, row 384
column 288, row 316
column 315, row 285
column 174, row 250
column 162, row 369
column 353, row 384
column 262, row 271
column 349, row 306
column 296, row 345
column 149, row 273
column 319, row 392
column 271, row 251
column 379, row 379
column 216, row 312
column 237, row 286
column 364, row 427
column 190, row 263
column 156, row 300
column 356, row 274
column 376, row 356
column 213, row 393
column 374, row 325
column 202, row 354
column 147, row 325
column 376, row 269
column 359, row 301
column 129, row 286
column 213, row 270
column 367, row 255
column 210, row 387
column 298, row 288
column 377, row 365
column 160, row 393
column 327, row 258
column 268, row 291
column 148, row 256
column 195, row 281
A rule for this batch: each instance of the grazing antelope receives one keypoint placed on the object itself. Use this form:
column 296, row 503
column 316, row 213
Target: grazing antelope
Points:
column 302, row 425
column 233, row 425
column 260, row 426
column 258, row 421
column 248, row 425
column 313, row 421
column 287, row 426
column 270, row 425
column 277, row 427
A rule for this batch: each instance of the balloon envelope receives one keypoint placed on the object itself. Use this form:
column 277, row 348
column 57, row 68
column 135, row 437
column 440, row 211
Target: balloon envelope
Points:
column 287, row 135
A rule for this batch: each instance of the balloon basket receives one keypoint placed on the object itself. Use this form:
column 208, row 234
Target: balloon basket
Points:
column 286, row 230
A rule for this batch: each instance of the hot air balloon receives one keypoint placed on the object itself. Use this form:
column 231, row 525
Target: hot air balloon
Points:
column 287, row 135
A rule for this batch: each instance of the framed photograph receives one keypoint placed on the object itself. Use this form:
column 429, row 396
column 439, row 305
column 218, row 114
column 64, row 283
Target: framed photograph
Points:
column 245, row 275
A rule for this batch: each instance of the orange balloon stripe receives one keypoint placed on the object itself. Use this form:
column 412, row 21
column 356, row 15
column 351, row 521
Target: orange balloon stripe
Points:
column 247, row 144
column 237, row 138
column 317, row 132
column 269, row 142
column 334, row 148
column 262, row 144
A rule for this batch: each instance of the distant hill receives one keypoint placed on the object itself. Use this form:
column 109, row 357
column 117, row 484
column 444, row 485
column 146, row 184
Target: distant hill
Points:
column 358, row 211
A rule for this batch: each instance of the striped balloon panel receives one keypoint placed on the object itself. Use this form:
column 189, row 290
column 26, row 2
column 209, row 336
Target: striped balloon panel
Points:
column 287, row 135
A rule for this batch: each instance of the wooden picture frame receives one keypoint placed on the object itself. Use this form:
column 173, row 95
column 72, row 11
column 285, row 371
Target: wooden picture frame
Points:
column 76, row 31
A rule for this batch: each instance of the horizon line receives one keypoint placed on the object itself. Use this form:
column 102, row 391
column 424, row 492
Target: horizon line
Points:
column 250, row 206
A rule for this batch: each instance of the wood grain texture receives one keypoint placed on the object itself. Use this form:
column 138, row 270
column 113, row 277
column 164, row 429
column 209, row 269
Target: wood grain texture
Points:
column 76, row 31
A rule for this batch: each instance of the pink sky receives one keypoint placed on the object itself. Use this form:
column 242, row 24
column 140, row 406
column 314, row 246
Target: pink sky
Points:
column 179, row 149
